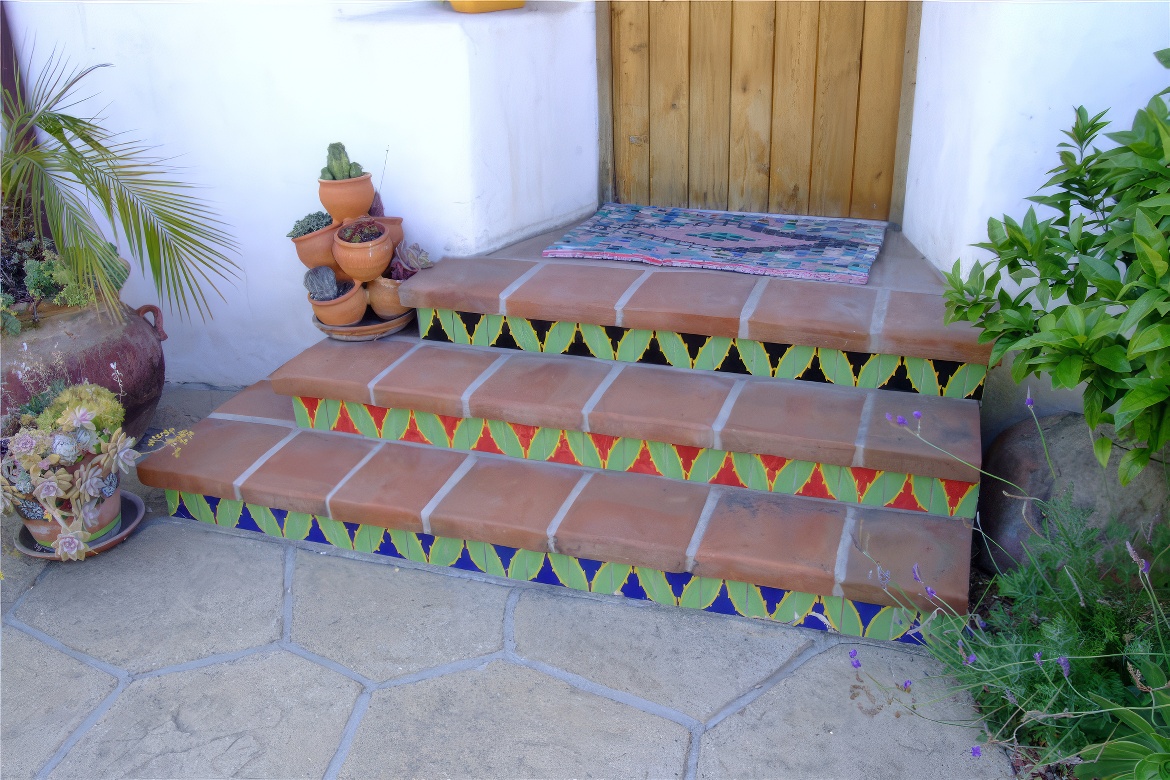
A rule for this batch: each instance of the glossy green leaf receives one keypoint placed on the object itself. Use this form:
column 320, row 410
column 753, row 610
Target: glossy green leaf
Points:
column 361, row 419
column 431, row 429
column 297, row 525
column 1112, row 358
column 597, row 341
column 878, row 370
column 525, row 565
column 747, row 599
column 842, row 615
column 367, row 539
column 656, row 587
column 265, row 520
column 1155, row 337
column 610, row 578
column 754, row 357
column 488, row 330
column 335, row 532
column 794, row 607
column 227, row 514
column 485, row 558
column 700, row 592
column 172, row 502
column 965, row 381
column 544, row 443
column 583, row 449
column 408, row 545
column 1136, row 400
column 523, row 334
column 467, row 433
column 889, row 623
column 795, row 362
column 506, row 438
column 1102, row 449
column 633, row 345
column 559, row 337
column 713, row 353
column 568, row 571
column 666, row 460
column 674, row 349
column 836, row 367
column 198, row 507
column 922, row 375
column 444, row 551
column 792, row 476
column 750, row 470
column 395, row 425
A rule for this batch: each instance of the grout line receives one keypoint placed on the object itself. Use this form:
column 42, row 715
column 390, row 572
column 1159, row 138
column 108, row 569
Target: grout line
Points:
column 629, row 293
column 79, row 732
column 211, row 660
column 514, row 286
column 725, row 412
column 749, row 307
column 463, row 665
column 286, row 612
column 863, row 428
column 701, row 528
column 348, row 733
column 465, row 398
column 261, row 461
column 692, row 770
column 878, row 321
column 810, row 649
column 114, row 671
column 389, row 368
column 448, row 486
column 841, row 568
column 329, row 498
column 248, row 418
column 564, row 510
column 510, row 623
column 595, row 399
column 331, row 665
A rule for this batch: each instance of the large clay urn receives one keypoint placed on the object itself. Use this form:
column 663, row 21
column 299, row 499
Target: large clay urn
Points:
column 123, row 355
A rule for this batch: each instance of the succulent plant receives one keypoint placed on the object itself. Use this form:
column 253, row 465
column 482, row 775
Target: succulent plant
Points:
column 360, row 231
column 322, row 284
column 408, row 260
column 310, row 223
column 338, row 166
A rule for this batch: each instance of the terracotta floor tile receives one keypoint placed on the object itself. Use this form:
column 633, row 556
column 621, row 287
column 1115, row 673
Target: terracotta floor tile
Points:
column 301, row 474
column 341, row 370
column 633, row 519
column 914, row 326
column 780, row 541
column 509, row 502
column 220, row 451
column 703, row 302
column 536, row 390
column 661, row 404
column 433, row 379
column 801, row 420
column 897, row 540
column 393, row 487
column 572, row 293
column 259, row 400
column 900, row 266
column 949, row 423
column 818, row 314
column 463, row 284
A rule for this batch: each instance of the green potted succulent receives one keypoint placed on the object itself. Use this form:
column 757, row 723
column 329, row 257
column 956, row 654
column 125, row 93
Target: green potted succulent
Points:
column 334, row 302
column 383, row 291
column 60, row 471
column 312, row 237
column 345, row 190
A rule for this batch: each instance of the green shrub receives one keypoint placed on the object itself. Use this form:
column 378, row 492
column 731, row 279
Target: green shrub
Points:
column 1089, row 289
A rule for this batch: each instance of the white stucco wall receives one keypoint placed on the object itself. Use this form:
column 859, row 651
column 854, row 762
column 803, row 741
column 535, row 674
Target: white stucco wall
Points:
column 487, row 124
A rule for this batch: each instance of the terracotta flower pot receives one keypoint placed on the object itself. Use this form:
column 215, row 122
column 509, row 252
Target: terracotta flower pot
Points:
column 346, row 310
column 347, row 198
column 316, row 249
column 367, row 260
column 383, row 294
column 45, row 530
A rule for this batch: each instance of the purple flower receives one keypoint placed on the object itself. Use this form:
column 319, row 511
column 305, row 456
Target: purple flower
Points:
column 1028, row 402
column 917, row 574
column 1036, row 657
column 917, row 415
column 901, row 420
column 856, row 664
column 1145, row 566
column 1010, row 697
column 852, row 653
column 889, row 417
column 977, row 752
column 883, row 576
column 931, row 592
column 969, row 660
column 906, row 686
column 1064, row 667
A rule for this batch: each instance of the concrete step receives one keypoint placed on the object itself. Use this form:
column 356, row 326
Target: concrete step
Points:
column 250, row 466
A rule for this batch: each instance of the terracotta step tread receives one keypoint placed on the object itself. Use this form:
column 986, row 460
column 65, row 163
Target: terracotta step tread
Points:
column 801, row 544
column 883, row 317
column 787, row 418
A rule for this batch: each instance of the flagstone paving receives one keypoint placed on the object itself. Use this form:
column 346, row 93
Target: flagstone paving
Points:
column 196, row 651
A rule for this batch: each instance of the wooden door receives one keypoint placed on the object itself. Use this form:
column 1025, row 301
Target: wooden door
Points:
column 783, row 107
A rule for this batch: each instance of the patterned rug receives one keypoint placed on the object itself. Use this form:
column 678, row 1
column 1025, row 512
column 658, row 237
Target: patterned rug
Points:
column 829, row 250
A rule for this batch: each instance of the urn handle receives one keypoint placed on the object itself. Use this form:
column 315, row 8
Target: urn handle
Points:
column 142, row 311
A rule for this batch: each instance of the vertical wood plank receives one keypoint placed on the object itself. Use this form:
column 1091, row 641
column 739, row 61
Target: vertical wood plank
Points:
column 631, row 100
column 752, row 35
column 605, row 173
column 882, row 52
column 710, row 104
column 670, row 26
column 905, row 111
column 835, row 112
column 793, row 94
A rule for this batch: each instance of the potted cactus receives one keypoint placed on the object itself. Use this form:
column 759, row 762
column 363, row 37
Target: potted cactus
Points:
column 345, row 191
column 334, row 302
column 363, row 248
column 383, row 291
column 312, row 237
